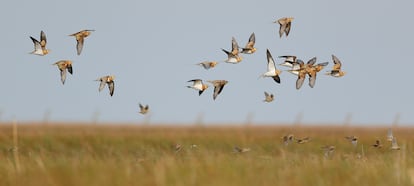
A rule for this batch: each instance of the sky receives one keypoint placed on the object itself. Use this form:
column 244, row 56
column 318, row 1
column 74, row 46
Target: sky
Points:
column 152, row 47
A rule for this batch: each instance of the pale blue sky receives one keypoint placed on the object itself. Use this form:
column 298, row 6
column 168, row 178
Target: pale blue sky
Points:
column 151, row 47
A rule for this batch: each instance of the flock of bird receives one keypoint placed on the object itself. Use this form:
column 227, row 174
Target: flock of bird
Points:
column 66, row 65
column 297, row 66
column 328, row 150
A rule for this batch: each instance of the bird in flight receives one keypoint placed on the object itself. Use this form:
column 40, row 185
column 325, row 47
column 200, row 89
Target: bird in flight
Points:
column 303, row 140
column 336, row 70
column 233, row 56
column 389, row 135
column 218, row 87
column 80, row 37
column 240, row 150
column 208, row 64
column 394, row 145
column 304, row 70
column 64, row 65
column 249, row 48
column 271, row 68
column 198, row 85
column 288, row 139
column 107, row 80
column 377, row 144
column 268, row 97
column 328, row 150
column 352, row 139
column 143, row 109
column 285, row 24
column 312, row 70
column 40, row 47
column 290, row 61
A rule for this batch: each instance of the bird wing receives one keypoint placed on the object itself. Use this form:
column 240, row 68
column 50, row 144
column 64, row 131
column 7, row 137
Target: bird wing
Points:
column 70, row 70
column 225, row 51
column 300, row 80
column 270, row 62
column 234, row 46
column 311, row 62
column 337, row 63
column 111, row 86
column 312, row 78
column 252, row 41
column 394, row 143
column 276, row 78
column 79, row 44
column 287, row 28
column 36, row 43
column 217, row 90
column 43, row 40
column 63, row 76
column 282, row 29
column 102, row 85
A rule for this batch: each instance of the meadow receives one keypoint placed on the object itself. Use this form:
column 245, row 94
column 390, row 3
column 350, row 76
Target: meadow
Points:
column 63, row 154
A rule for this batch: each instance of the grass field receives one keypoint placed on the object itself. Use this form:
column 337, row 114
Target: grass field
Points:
column 99, row 155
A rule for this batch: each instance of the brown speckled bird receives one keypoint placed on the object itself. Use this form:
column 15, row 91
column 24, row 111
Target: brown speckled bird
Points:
column 80, row 37
column 303, row 70
column 328, row 150
column 198, row 85
column 208, row 64
column 233, row 56
column 285, row 24
column 288, row 139
column 64, row 65
column 271, row 68
column 107, row 80
column 143, row 109
column 40, row 47
column 249, row 48
column 352, row 139
column 336, row 70
column 303, row 140
column 218, row 87
column 377, row 144
column 289, row 61
column 240, row 150
column 268, row 97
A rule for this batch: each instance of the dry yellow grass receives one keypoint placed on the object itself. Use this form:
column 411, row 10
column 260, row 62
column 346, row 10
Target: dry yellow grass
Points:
column 84, row 154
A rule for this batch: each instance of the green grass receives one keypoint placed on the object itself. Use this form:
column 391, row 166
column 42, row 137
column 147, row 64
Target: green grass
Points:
column 114, row 155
